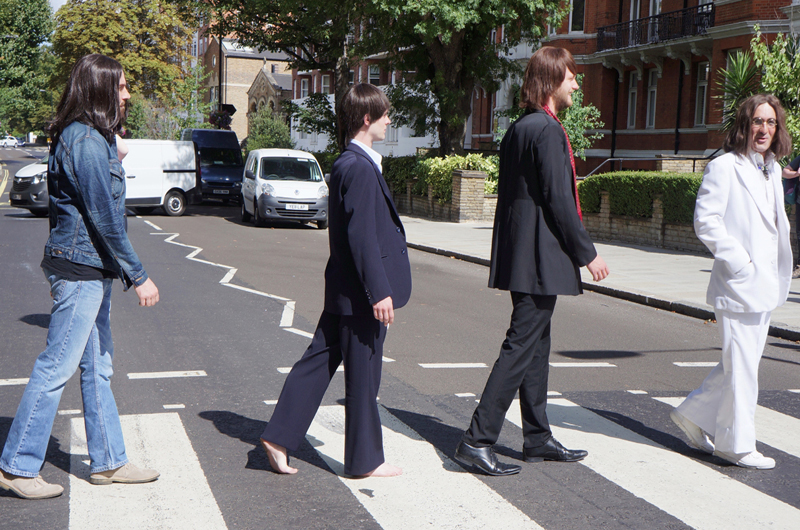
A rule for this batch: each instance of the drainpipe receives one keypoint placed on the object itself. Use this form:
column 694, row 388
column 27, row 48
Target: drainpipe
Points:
column 678, row 109
column 614, row 118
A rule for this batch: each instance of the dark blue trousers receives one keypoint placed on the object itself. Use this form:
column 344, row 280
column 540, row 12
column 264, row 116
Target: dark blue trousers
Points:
column 358, row 342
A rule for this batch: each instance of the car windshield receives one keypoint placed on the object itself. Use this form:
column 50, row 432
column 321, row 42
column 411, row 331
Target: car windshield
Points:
column 302, row 169
column 213, row 156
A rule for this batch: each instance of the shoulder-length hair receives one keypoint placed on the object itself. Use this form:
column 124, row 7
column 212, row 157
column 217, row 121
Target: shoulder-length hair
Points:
column 91, row 97
column 738, row 139
column 361, row 100
column 545, row 72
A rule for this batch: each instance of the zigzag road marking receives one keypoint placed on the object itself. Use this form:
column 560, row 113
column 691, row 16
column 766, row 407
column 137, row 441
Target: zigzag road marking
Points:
column 684, row 488
column 772, row 428
column 181, row 499
column 433, row 491
column 287, row 317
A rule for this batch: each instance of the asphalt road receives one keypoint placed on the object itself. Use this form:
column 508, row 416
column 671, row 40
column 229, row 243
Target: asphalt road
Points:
column 234, row 330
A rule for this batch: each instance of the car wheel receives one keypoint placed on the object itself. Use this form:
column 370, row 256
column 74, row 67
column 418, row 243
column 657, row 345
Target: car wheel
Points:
column 245, row 214
column 322, row 225
column 257, row 219
column 174, row 203
column 144, row 210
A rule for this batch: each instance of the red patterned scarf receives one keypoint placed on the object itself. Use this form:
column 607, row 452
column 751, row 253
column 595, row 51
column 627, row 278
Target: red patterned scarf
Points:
column 571, row 161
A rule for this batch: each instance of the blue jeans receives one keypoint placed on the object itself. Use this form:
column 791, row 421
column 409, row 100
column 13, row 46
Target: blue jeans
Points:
column 79, row 336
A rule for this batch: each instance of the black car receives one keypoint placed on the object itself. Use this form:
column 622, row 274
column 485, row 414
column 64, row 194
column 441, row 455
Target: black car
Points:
column 221, row 165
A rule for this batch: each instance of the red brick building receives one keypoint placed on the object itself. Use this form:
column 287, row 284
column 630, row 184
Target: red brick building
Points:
column 652, row 67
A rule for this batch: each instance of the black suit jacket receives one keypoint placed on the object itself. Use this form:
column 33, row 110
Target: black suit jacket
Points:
column 539, row 242
column 369, row 258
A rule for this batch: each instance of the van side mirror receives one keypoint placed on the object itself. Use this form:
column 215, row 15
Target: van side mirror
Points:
column 249, row 174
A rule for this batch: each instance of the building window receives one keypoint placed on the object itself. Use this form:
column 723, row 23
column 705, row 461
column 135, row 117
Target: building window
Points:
column 351, row 78
column 702, row 90
column 576, row 16
column 213, row 60
column 636, row 9
column 273, row 68
column 326, row 84
column 303, row 88
column 374, row 74
column 652, row 82
column 632, row 91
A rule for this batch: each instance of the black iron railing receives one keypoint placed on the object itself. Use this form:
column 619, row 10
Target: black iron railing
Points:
column 664, row 27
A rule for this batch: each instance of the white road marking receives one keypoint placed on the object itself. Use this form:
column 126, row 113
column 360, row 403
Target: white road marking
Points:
column 583, row 365
column 702, row 364
column 9, row 382
column 180, row 499
column 795, row 391
column 300, row 332
column 453, row 365
column 465, row 394
column 388, row 359
column 553, row 393
column 777, row 430
column 287, row 369
column 433, row 491
column 154, row 226
column 270, row 402
column 175, row 406
column 228, row 276
column 259, row 293
column 164, row 375
column 684, row 488
column 287, row 317
column 638, row 392
column 69, row 412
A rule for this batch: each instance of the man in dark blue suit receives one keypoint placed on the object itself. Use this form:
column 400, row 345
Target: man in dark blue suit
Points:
column 367, row 277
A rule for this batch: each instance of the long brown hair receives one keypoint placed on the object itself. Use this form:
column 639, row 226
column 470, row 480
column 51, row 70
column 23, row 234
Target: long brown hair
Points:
column 91, row 97
column 545, row 72
column 738, row 139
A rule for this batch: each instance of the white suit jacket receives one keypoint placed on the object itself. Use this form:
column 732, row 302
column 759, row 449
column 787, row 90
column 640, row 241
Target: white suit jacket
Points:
column 752, row 260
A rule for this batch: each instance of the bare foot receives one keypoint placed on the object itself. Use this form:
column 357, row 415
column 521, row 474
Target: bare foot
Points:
column 278, row 459
column 383, row 470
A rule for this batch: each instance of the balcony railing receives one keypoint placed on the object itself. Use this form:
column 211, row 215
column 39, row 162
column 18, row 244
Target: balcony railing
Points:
column 651, row 30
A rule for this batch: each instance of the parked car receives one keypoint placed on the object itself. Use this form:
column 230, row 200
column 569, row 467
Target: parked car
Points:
column 284, row 184
column 161, row 173
column 29, row 189
column 10, row 141
column 220, row 158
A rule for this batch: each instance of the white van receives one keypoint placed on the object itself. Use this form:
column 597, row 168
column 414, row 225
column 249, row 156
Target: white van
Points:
column 161, row 173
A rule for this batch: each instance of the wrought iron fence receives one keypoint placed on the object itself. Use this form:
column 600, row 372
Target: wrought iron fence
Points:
column 659, row 28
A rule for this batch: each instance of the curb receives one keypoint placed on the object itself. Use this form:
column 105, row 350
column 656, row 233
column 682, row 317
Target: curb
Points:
column 781, row 331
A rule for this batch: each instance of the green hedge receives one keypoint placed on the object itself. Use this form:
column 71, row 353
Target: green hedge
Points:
column 397, row 170
column 631, row 193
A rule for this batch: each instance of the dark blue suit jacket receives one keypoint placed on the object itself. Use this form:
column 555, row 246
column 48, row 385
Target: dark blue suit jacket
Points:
column 369, row 258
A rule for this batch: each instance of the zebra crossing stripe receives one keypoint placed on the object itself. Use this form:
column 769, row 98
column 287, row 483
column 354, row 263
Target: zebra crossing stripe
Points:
column 682, row 487
column 180, row 499
column 772, row 428
column 432, row 492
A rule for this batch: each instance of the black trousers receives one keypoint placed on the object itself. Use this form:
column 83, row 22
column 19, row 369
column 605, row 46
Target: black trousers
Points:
column 523, row 365
column 358, row 341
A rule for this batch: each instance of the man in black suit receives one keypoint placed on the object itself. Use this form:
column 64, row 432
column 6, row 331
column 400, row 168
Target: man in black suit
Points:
column 368, row 276
column 538, row 246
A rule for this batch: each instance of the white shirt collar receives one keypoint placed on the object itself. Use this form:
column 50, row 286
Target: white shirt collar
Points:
column 374, row 155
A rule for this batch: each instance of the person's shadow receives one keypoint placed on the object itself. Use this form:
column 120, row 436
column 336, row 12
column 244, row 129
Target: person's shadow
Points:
column 249, row 431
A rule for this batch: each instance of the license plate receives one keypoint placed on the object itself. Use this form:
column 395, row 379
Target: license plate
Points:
column 293, row 206
column 16, row 197
column 222, row 192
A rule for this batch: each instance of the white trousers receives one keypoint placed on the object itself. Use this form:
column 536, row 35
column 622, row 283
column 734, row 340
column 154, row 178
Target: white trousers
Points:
column 725, row 404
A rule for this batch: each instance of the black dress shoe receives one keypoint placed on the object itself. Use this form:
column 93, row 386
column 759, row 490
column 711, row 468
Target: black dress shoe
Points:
column 483, row 459
column 553, row 450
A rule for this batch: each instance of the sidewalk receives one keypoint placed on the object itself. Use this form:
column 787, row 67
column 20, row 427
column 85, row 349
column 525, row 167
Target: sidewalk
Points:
column 666, row 279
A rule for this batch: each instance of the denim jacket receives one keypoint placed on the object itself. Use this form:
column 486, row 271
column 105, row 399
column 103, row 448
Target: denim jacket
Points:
column 86, row 184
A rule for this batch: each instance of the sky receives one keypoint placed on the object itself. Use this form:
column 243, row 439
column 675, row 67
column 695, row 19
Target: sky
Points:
column 55, row 4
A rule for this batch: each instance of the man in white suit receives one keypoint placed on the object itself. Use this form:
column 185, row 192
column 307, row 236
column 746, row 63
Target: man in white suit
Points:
column 739, row 216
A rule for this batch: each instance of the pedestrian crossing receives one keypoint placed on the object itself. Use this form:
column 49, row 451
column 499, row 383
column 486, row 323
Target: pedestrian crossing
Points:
column 688, row 487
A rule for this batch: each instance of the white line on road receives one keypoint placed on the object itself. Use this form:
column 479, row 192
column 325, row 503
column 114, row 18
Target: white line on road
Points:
column 175, row 406
column 702, row 364
column 583, row 365
column 300, row 332
column 637, row 392
column 553, row 393
column 465, row 394
column 270, row 402
column 69, row 412
column 777, row 430
column 442, row 494
column 287, row 369
column 794, row 391
column 180, row 499
column 10, row 382
column 388, row 360
column 155, row 227
column 287, row 317
column 453, row 365
column 681, row 486
column 164, row 375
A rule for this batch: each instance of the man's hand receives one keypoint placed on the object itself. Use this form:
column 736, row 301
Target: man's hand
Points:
column 789, row 173
column 147, row 293
column 384, row 310
column 598, row 268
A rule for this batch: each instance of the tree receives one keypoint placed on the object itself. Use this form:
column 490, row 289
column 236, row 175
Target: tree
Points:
column 25, row 26
column 449, row 49
column 268, row 130
column 315, row 116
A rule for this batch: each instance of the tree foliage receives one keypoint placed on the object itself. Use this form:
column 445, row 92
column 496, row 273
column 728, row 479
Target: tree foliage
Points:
column 268, row 130
column 314, row 116
column 738, row 82
column 25, row 27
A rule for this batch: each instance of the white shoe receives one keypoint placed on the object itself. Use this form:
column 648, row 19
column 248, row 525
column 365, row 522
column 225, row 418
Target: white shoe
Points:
column 697, row 436
column 29, row 488
column 754, row 460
